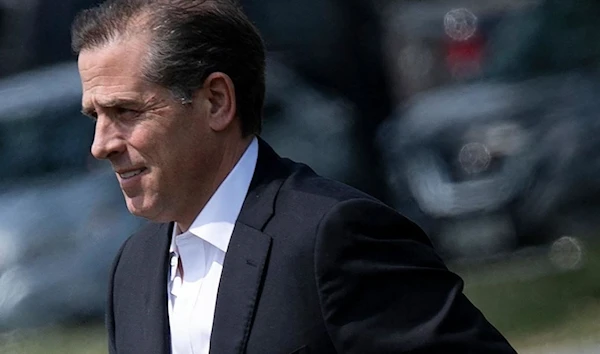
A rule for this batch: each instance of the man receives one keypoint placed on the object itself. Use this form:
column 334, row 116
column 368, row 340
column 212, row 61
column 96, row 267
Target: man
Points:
column 248, row 252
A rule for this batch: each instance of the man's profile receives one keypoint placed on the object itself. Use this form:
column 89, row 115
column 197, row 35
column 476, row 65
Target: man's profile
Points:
column 247, row 252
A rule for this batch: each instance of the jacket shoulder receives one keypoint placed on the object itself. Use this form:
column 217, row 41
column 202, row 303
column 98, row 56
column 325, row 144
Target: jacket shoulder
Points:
column 304, row 184
column 306, row 197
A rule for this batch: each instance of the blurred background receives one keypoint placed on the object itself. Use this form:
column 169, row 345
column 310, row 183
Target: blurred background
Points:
column 476, row 119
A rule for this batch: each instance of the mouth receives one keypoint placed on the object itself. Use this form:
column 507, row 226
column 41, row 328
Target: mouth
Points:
column 131, row 174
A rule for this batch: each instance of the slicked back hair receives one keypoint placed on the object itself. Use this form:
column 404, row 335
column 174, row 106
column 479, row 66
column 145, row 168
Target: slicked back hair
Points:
column 189, row 40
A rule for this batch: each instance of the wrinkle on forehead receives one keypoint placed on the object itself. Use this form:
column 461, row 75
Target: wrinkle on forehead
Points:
column 109, row 91
column 123, row 58
column 112, row 74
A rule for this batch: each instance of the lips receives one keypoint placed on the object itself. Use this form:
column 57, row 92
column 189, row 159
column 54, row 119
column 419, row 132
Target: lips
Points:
column 131, row 173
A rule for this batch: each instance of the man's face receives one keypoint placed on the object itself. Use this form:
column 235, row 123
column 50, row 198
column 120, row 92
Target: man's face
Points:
column 163, row 152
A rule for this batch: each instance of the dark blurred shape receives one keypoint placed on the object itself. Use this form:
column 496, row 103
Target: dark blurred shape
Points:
column 335, row 46
column 34, row 33
column 551, row 38
column 52, row 29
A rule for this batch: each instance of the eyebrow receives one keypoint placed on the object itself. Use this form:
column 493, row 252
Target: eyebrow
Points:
column 108, row 103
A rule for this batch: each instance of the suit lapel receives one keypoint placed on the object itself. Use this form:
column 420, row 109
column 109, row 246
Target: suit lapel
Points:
column 159, row 300
column 148, row 286
column 246, row 258
column 238, row 290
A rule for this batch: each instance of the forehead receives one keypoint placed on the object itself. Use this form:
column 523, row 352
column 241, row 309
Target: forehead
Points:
column 113, row 69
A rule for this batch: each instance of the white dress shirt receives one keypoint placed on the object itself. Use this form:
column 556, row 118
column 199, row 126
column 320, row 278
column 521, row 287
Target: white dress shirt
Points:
column 200, row 252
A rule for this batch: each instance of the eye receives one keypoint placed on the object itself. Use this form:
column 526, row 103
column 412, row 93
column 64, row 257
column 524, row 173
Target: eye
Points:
column 127, row 113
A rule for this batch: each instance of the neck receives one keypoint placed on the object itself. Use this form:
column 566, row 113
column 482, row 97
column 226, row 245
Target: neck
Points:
column 230, row 157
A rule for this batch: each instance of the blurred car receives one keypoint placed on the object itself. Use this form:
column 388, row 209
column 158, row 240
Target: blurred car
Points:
column 489, row 167
column 62, row 214
column 506, row 158
column 445, row 164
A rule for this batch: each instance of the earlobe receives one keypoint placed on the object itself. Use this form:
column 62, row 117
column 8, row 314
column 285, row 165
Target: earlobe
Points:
column 221, row 96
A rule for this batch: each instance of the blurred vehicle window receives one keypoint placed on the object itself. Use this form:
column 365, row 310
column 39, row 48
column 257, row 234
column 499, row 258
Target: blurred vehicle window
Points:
column 42, row 130
column 44, row 141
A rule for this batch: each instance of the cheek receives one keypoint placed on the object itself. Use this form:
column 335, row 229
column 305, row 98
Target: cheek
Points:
column 150, row 143
column 173, row 143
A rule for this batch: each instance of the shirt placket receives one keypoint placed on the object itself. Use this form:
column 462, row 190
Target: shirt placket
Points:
column 192, row 259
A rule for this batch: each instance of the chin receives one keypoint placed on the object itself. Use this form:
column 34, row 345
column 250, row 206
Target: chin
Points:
column 147, row 209
column 138, row 212
column 139, row 207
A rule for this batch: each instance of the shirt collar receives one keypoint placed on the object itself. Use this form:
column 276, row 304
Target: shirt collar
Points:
column 216, row 220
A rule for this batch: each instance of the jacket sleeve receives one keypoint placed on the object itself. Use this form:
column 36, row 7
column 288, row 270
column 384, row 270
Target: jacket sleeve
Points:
column 384, row 290
column 110, row 318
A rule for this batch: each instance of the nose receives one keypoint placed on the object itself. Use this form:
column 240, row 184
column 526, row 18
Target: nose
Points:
column 107, row 142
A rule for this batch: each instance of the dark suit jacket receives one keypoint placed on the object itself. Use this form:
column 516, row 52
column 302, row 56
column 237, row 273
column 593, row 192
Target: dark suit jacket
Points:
column 313, row 266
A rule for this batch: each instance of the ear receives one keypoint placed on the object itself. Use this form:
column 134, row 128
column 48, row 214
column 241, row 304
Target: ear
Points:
column 220, row 94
